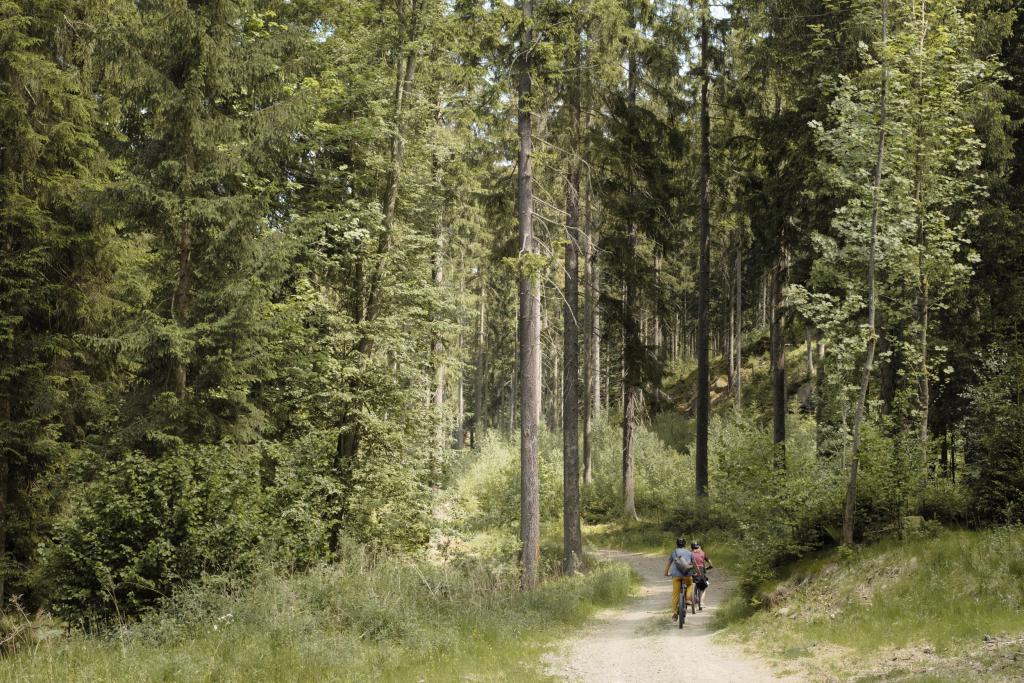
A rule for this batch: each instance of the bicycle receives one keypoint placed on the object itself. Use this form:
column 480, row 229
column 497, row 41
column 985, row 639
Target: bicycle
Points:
column 681, row 607
column 700, row 585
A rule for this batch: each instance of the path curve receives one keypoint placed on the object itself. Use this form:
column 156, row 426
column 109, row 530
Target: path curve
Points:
column 641, row 643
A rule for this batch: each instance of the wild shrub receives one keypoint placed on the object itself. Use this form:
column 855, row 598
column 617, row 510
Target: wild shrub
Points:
column 995, row 439
column 144, row 525
column 663, row 473
column 775, row 514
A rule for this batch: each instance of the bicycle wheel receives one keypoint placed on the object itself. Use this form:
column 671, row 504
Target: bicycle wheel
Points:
column 681, row 608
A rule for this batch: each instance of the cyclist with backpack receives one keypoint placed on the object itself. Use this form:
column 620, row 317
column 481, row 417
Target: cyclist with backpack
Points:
column 680, row 568
column 701, row 563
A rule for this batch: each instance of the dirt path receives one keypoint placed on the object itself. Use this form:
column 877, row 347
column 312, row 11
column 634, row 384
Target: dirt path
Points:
column 640, row 642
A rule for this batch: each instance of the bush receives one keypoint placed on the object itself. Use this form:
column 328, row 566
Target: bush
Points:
column 995, row 439
column 663, row 474
column 143, row 525
column 775, row 514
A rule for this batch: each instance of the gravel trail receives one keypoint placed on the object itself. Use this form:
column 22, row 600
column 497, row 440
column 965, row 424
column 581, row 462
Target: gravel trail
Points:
column 640, row 642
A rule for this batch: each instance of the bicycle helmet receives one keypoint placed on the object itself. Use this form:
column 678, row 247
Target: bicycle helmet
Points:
column 680, row 542
column 694, row 546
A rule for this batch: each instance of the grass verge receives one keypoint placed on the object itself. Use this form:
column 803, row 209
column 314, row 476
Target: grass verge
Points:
column 366, row 618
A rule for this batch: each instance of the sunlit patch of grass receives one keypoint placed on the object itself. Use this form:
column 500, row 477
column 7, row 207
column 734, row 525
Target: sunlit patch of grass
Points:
column 367, row 618
column 636, row 537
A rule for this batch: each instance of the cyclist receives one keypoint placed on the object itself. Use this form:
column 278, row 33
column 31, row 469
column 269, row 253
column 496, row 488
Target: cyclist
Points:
column 680, row 568
column 701, row 563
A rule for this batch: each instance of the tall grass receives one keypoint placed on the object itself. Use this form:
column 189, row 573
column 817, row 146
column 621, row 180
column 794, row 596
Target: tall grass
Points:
column 369, row 617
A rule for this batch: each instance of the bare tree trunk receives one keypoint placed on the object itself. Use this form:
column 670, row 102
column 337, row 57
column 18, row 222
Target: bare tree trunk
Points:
column 571, row 533
column 529, row 322
column 809, row 339
column 778, row 367
column 764, row 299
column 657, row 333
column 440, row 371
column 479, row 421
column 632, row 346
column 819, row 396
column 513, row 399
column 739, row 325
column 592, row 341
column 597, row 333
column 944, row 455
column 704, row 266
column 460, row 404
column 923, row 396
column 850, row 507
column 730, row 342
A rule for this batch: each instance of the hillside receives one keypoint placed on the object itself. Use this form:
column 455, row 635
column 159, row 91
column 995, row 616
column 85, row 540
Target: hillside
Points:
column 941, row 605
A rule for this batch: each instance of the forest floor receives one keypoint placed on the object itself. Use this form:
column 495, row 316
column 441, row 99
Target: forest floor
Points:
column 641, row 642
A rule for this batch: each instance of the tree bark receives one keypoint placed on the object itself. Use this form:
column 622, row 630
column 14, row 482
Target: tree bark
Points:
column 923, row 396
column 778, row 365
column 850, row 507
column 739, row 325
column 591, row 370
column 704, row 265
column 632, row 346
column 436, row 351
column 460, row 403
column 819, row 396
column 529, row 322
column 571, row 533
column 479, row 389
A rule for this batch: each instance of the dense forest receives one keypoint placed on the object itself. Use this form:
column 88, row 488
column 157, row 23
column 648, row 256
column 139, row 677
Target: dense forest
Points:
column 274, row 270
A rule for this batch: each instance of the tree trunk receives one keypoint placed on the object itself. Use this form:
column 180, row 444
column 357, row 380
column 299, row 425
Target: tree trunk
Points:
column 764, row 300
column 632, row 349
column 819, row 396
column 704, row 265
column 850, row 507
column 460, row 403
column 571, row 534
column 479, row 421
column 592, row 341
column 923, row 396
column 440, row 371
column 529, row 322
column 739, row 325
column 944, row 456
column 778, row 366
column 657, row 333
column 809, row 339
column 5, row 515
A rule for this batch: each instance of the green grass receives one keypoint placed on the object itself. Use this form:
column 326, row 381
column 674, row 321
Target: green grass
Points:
column 934, row 598
column 366, row 618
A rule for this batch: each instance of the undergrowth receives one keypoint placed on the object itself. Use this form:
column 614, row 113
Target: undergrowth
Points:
column 369, row 617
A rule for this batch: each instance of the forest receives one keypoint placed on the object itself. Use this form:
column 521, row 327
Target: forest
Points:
column 300, row 289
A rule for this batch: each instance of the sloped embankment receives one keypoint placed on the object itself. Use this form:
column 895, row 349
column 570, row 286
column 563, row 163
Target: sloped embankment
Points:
column 929, row 608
